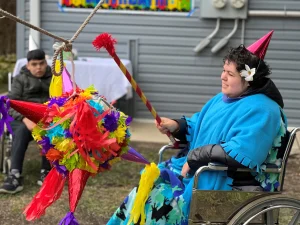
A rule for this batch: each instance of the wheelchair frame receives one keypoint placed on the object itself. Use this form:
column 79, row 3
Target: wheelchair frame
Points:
column 241, row 207
column 6, row 143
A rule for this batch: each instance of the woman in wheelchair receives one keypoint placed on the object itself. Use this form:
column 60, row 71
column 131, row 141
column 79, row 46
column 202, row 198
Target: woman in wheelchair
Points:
column 240, row 127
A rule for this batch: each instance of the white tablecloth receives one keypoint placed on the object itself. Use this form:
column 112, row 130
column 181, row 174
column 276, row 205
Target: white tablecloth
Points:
column 103, row 73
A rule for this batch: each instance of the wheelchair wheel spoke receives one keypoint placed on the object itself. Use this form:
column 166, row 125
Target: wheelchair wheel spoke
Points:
column 295, row 218
column 270, row 218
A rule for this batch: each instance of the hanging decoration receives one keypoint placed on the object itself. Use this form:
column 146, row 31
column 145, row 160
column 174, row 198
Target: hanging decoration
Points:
column 145, row 5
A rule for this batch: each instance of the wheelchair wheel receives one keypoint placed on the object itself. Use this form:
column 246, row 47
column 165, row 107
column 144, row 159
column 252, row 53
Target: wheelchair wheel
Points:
column 268, row 208
column 6, row 143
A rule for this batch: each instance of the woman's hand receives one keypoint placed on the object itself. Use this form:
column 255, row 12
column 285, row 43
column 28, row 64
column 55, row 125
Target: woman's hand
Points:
column 167, row 125
column 185, row 169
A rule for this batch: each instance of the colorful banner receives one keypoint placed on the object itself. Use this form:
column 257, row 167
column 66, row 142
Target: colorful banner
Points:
column 147, row 5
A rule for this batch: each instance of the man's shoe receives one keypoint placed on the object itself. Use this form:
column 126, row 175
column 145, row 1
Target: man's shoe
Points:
column 12, row 184
column 44, row 173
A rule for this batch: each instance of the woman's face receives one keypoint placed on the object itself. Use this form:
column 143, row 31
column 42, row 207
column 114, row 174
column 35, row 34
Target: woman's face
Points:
column 233, row 85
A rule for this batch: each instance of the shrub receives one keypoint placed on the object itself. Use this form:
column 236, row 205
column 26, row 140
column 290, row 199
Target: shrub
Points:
column 7, row 63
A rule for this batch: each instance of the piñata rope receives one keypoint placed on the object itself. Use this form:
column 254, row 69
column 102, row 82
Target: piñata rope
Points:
column 65, row 46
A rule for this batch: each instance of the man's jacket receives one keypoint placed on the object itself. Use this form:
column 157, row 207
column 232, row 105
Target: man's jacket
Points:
column 26, row 87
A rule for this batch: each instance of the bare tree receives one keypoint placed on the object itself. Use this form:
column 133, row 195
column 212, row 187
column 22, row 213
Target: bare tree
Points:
column 8, row 29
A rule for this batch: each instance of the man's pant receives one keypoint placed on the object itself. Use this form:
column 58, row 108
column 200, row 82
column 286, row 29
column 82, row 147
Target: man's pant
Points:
column 21, row 138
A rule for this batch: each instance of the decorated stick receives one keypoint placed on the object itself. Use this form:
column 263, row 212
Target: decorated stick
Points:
column 105, row 40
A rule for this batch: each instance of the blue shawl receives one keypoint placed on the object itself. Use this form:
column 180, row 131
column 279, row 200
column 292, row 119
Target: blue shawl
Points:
column 245, row 128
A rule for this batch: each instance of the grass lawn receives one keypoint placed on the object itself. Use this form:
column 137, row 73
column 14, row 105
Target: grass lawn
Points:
column 103, row 193
column 3, row 88
column 101, row 197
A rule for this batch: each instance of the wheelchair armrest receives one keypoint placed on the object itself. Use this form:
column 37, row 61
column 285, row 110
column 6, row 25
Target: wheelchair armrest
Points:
column 169, row 147
column 270, row 168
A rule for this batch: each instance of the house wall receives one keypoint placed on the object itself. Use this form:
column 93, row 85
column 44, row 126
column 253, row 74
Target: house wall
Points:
column 176, row 80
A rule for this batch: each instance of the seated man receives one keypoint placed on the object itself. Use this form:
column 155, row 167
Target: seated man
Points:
column 241, row 126
column 32, row 85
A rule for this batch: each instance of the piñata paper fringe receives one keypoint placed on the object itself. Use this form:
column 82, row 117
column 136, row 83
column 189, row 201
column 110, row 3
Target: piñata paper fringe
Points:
column 148, row 177
column 50, row 191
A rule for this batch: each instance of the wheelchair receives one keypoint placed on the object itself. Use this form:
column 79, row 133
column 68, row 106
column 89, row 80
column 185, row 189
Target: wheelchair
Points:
column 242, row 207
column 6, row 143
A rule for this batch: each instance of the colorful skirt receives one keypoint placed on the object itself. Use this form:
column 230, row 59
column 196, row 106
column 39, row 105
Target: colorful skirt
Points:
column 166, row 204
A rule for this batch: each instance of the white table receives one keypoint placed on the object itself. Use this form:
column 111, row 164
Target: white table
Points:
column 103, row 73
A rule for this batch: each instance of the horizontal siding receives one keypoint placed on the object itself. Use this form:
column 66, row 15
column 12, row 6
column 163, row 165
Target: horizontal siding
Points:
column 86, row 49
column 175, row 79
column 204, row 61
column 185, row 93
column 138, row 29
column 274, row 4
column 186, row 51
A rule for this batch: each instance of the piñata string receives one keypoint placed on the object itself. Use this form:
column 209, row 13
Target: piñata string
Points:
column 67, row 44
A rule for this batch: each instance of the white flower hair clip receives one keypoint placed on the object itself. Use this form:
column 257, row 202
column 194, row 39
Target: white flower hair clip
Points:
column 248, row 73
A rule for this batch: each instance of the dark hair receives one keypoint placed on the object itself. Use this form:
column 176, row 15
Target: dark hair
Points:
column 242, row 56
column 37, row 54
